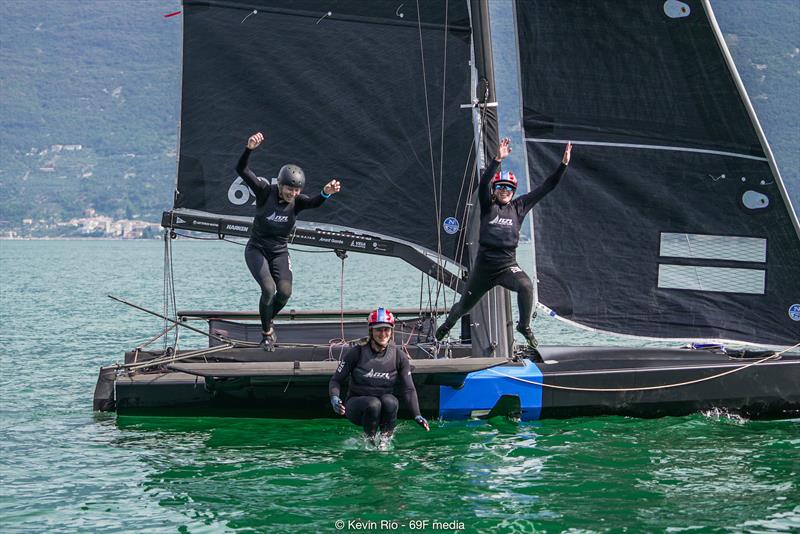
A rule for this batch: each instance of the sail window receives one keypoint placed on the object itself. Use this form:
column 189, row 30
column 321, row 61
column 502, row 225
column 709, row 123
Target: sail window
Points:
column 719, row 279
column 713, row 247
column 676, row 10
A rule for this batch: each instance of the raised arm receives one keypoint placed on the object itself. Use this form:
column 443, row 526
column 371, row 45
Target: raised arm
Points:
column 484, row 187
column 529, row 200
column 244, row 171
column 304, row 202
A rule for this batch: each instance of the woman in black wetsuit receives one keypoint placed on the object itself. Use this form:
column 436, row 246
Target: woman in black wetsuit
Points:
column 267, row 252
column 496, row 262
column 373, row 369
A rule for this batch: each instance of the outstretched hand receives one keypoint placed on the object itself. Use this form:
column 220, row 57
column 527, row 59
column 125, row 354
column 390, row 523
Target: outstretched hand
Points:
column 567, row 154
column 332, row 187
column 504, row 150
column 421, row 421
column 254, row 140
column 338, row 405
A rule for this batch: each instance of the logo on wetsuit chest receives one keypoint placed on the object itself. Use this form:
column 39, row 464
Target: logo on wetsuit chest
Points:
column 373, row 374
column 501, row 221
column 278, row 218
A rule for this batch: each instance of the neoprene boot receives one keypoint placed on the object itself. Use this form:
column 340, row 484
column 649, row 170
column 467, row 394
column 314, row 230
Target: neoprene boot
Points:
column 527, row 333
column 268, row 340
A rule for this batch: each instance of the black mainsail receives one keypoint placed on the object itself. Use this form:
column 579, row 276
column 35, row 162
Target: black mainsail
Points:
column 366, row 92
column 673, row 222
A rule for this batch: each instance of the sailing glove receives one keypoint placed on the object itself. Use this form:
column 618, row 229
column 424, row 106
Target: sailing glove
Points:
column 421, row 421
column 336, row 402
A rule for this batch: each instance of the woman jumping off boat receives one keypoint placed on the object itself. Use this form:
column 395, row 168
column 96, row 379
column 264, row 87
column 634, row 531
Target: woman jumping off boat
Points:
column 496, row 262
column 267, row 251
column 374, row 368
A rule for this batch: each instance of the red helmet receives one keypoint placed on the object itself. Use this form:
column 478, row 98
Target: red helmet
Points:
column 381, row 317
column 504, row 178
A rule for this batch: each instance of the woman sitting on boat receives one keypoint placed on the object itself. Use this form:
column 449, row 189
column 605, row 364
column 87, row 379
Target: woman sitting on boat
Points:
column 496, row 262
column 267, row 252
column 374, row 368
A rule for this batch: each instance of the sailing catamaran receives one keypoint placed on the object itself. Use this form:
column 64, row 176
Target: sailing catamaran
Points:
column 674, row 222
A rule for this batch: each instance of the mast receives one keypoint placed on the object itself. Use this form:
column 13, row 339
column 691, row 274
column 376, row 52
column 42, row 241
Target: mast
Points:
column 490, row 326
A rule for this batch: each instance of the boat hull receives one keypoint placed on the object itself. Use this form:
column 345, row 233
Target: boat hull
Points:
column 573, row 382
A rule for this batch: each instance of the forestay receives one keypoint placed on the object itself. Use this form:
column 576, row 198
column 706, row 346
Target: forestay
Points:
column 670, row 222
column 369, row 93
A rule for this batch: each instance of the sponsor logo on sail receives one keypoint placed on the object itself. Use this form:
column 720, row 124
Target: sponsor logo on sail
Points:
column 373, row 374
column 451, row 225
column 239, row 194
column 501, row 221
column 794, row 312
column 278, row 218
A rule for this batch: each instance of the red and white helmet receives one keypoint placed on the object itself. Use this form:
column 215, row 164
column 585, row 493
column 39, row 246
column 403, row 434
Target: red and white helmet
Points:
column 504, row 178
column 380, row 318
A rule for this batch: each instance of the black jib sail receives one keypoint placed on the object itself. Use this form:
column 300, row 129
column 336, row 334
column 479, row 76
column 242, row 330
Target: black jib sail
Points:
column 671, row 222
column 370, row 93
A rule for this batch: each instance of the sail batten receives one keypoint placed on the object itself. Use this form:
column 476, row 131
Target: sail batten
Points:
column 646, row 147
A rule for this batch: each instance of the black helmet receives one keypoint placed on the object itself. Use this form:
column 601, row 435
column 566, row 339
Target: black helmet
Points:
column 292, row 175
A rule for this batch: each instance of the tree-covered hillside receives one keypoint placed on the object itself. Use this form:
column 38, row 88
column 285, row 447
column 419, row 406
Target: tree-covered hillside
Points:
column 90, row 93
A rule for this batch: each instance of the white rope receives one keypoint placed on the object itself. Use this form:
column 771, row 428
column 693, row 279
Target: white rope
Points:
column 774, row 356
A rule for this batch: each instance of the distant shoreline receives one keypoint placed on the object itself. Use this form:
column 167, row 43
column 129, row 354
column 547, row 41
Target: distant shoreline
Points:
column 79, row 239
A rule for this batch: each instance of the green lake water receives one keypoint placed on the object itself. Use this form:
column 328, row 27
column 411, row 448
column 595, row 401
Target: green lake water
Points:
column 65, row 469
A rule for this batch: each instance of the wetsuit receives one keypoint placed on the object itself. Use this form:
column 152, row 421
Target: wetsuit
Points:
column 496, row 261
column 370, row 400
column 267, row 251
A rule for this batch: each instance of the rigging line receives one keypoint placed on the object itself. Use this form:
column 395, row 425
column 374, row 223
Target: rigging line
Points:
column 471, row 193
column 341, row 296
column 421, row 286
column 175, row 358
column 174, row 300
column 147, row 342
column 166, row 300
column 441, row 140
column 466, row 169
column 461, row 245
column 430, row 298
column 437, row 214
column 646, row 388
column 468, row 202
column 173, row 321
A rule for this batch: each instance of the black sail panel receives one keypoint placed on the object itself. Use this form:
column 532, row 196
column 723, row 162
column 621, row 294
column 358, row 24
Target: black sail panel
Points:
column 345, row 89
column 669, row 222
